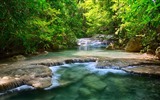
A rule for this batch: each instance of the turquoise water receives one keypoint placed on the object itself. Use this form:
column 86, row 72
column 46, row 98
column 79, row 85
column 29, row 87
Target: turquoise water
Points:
column 81, row 53
column 85, row 82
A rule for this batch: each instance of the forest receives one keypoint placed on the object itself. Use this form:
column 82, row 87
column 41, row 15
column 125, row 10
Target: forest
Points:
column 79, row 49
column 37, row 25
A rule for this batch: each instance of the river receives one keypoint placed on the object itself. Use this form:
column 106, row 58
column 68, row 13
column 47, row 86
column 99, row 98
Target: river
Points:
column 83, row 81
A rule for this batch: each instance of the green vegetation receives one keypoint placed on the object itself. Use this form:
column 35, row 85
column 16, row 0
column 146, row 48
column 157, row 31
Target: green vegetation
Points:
column 37, row 25
column 125, row 19
column 32, row 25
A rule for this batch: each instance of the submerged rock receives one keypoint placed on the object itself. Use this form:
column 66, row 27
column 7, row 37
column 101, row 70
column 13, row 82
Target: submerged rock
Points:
column 93, row 82
column 85, row 92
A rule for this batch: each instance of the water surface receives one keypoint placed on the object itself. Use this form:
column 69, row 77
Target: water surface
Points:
column 85, row 82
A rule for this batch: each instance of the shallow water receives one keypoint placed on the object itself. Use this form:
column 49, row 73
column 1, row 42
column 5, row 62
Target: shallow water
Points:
column 97, row 52
column 85, row 82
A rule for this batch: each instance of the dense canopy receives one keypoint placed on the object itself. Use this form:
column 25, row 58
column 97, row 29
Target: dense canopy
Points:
column 37, row 25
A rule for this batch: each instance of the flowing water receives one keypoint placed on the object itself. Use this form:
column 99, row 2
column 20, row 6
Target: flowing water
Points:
column 83, row 81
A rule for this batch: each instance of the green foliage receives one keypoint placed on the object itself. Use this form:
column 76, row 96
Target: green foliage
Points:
column 31, row 25
column 141, row 17
column 123, row 18
column 96, row 16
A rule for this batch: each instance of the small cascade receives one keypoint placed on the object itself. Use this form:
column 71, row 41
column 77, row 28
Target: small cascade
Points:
column 88, row 44
column 92, row 68
column 18, row 89
column 55, row 77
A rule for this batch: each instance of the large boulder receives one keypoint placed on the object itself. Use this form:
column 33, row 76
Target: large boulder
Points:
column 134, row 45
column 158, row 52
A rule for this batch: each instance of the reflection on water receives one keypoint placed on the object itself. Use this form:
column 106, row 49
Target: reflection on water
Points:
column 87, row 48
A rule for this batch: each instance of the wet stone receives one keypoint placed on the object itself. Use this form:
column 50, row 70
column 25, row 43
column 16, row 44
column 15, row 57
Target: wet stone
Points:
column 69, row 61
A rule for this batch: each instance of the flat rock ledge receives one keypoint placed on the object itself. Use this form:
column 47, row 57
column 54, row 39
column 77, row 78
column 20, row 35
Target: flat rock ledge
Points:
column 37, row 75
column 146, row 70
column 134, row 66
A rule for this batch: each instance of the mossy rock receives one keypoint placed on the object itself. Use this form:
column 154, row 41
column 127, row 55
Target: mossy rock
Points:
column 134, row 45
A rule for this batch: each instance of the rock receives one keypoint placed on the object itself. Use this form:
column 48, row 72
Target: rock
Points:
column 158, row 52
column 69, row 61
column 38, row 76
column 6, row 78
column 2, row 65
column 134, row 45
column 113, row 63
column 35, row 53
column 45, row 52
column 64, row 83
column 101, row 37
column 151, row 48
column 110, row 46
column 40, row 82
column 150, row 51
column 8, row 83
column 147, row 70
column 17, row 58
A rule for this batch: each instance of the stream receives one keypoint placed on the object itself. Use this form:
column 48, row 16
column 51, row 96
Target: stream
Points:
column 83, row 81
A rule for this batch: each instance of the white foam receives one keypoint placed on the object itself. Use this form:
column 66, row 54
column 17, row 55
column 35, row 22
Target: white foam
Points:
column 23, row 87
column 92, row 68
column 131, row 67
column 66, row 65
column 55, row 78
column 2, row 94
column 20, row 88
